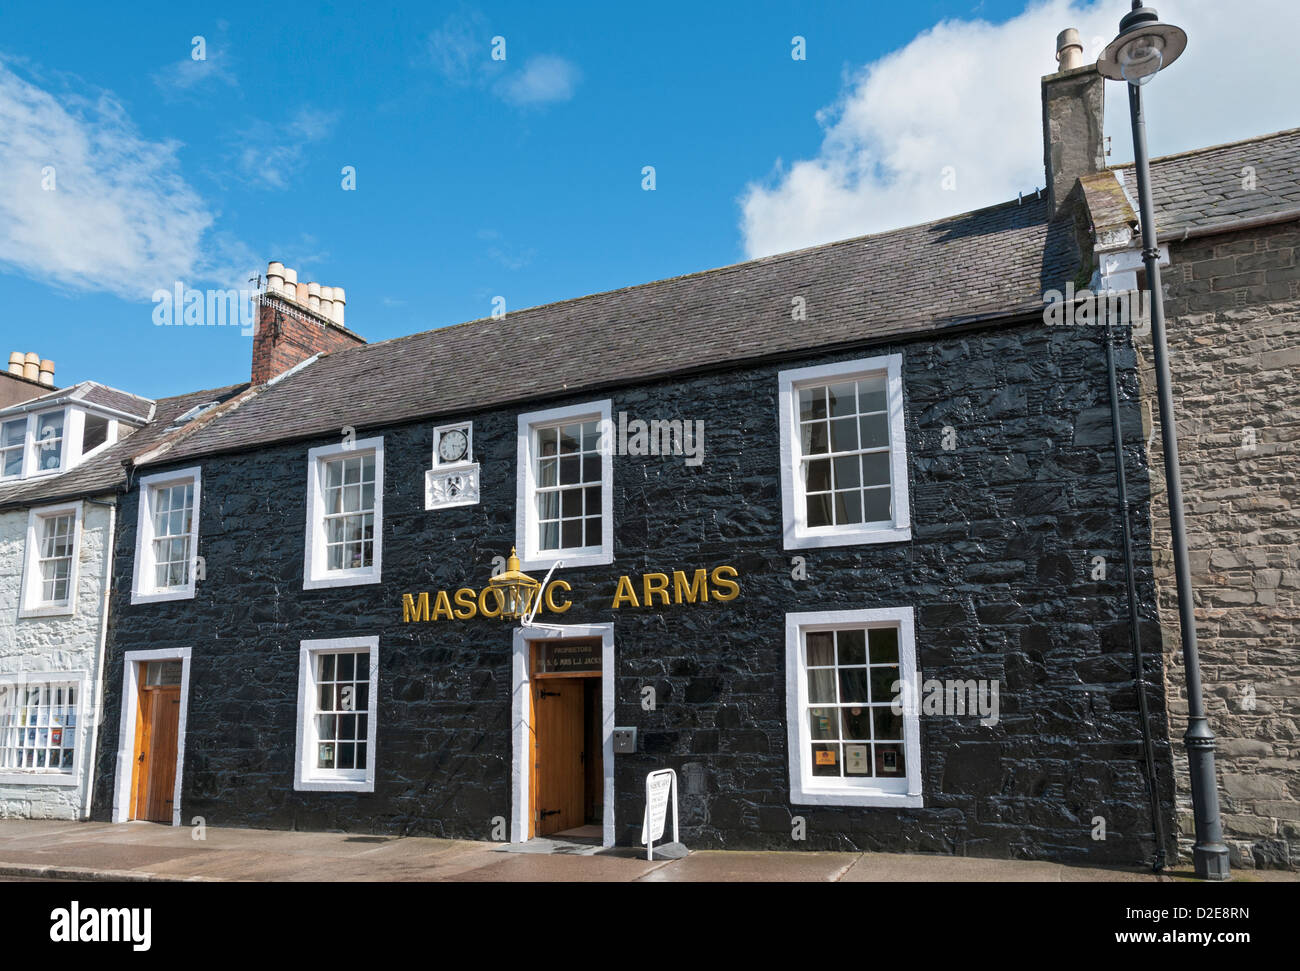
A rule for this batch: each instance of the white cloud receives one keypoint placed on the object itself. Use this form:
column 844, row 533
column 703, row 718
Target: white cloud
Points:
column 270, row 156
column 460, row 50
column 119, row 217
column 544, row 79
column 966, row 94
column 186, row 76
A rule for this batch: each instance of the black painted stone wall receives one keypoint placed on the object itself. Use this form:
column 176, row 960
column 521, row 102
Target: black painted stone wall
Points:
column 1005, row 528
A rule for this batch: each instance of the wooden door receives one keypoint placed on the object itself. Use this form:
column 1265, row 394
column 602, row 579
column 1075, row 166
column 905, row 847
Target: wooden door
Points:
column 558, row 763
column 156, row 738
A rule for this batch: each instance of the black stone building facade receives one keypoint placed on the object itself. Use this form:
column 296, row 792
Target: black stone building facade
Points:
column 1010, row 495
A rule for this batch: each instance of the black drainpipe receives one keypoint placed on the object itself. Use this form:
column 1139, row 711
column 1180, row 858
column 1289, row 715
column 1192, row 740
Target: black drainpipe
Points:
column 1158, row 863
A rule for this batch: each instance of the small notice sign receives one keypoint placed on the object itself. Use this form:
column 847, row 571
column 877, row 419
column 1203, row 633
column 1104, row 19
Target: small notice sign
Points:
column 825, row 756
column 561, row 656
column 660, row 789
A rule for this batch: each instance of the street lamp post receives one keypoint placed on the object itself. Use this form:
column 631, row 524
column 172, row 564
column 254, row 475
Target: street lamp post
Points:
column 1145, row 46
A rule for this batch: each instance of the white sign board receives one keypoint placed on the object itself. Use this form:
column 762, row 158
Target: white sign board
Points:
column 660, row 789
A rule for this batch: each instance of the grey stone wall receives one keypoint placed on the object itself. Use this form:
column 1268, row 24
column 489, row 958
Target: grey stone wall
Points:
column 1233, row 303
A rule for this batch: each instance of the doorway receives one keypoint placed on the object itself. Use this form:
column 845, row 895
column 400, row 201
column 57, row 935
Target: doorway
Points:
column 568, row 776
column 563, row 758
column 157, row 733
column 151, row 736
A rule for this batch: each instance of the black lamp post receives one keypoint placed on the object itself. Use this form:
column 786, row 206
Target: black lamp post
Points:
column 1145, row 46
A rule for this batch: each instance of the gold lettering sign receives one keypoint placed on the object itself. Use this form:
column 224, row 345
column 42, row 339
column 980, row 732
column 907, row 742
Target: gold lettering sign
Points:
column 654, row 590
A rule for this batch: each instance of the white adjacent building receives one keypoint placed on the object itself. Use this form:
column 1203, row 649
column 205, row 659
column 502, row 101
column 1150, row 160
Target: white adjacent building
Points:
column 61, row 474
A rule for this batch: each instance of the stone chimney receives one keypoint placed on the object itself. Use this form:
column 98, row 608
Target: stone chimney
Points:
column 296, row 321
column 1073, row 103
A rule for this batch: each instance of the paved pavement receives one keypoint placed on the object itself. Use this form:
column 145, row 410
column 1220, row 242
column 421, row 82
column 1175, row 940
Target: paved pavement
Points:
column 46, row 849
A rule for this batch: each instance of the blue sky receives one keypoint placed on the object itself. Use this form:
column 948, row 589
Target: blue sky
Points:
column 520, row 178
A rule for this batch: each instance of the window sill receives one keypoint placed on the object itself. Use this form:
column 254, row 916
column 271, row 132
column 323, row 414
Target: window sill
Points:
column 544, row 561
column 340, row 580
column 37, row 612
column 853, row 796
column 38, row 777
column 162, row 596
column 798, row 538
column 334, row 785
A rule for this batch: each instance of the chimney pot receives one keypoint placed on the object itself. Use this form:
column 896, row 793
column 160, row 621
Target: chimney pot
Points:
column 47, row 373
column 340, row 302
column 16, row 363
column 1069, row 49
column 291, row 283
column 32, row 366
column 327, row 302
column 313, row 296
column 275, row 276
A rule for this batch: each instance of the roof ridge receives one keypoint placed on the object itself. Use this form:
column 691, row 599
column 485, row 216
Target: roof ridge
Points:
column 1210, row 148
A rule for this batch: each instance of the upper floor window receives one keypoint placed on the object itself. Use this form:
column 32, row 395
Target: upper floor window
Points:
column 345, row 511
column 852, row 708
column 167, row 536
column 565, row 487
column 50, row 570
column 844, row 454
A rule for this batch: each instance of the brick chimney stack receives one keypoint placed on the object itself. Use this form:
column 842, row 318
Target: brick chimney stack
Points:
column 1073, row 109
column 296, row 321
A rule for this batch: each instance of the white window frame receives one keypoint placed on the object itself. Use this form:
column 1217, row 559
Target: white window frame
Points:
column 15, row 681
column 809, row 790
column 526, row 546
column 307, row 778
column 315, row 575
column 798, row 534
column 30, row 598
column 143, row 589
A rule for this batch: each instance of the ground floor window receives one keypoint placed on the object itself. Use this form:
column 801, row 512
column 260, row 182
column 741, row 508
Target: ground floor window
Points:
column 851, row 704
column 338, row 680
column 38, row 727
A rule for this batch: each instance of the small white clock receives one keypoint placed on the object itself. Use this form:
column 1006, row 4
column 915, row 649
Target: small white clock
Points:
column 453, row 445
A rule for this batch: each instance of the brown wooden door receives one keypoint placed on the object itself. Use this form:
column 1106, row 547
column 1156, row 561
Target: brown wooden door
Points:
column 558, row 763
column 156, row 738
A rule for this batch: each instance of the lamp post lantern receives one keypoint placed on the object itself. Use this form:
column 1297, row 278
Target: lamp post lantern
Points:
column 1143, row 48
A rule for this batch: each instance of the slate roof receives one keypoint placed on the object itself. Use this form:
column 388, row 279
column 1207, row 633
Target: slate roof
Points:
column 1203, row 188
column 897, row 283
column 93, row 393
column 105, row 473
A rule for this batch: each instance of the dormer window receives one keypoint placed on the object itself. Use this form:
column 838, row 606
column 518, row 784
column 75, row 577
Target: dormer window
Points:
column 32, row 444
column 52, row 441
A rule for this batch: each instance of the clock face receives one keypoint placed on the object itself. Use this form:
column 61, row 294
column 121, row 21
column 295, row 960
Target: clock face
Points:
column 453, row 445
